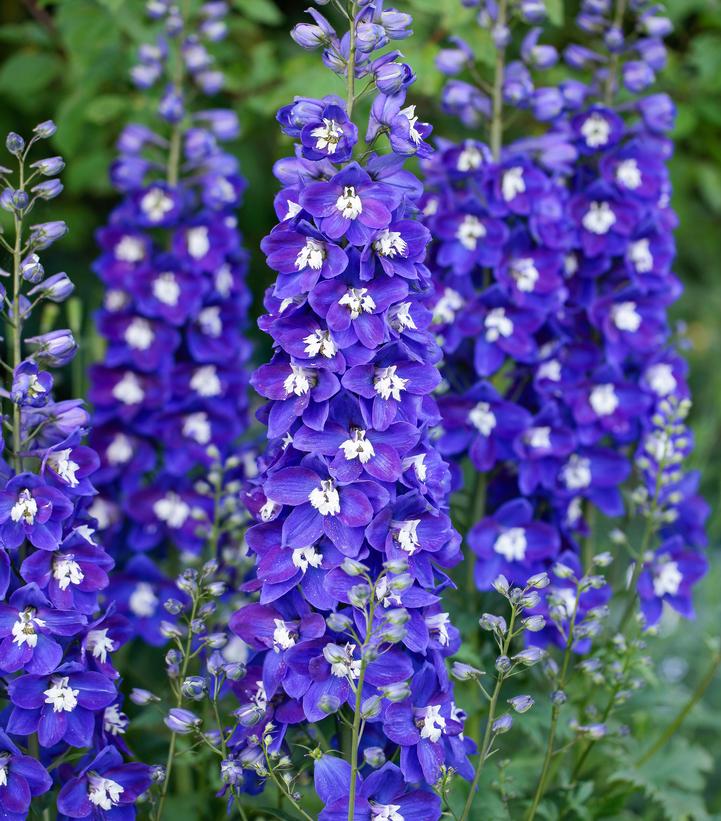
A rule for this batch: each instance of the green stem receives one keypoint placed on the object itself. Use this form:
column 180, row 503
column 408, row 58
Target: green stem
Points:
column 178, row 702
column 497, row 115
column 350, row 66
column 356, row 731
column 695, row 697
column 488, row 734
column 615, row 61
column 555, row 713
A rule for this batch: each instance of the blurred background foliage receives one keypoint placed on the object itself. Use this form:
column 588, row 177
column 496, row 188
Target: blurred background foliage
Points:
column 69, row 60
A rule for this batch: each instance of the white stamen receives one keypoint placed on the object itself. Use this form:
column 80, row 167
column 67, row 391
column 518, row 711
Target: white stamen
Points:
column 539, row 437
column 114, row 721
column 390, row 244
column 599, row 219
column 603, row 399
column 143, row 602
column 66, row 570
column 61, row 695
column 576, row 473
column 325, row 499
column 320, row 343
column 447, row 306
column 172, row 510
column 299, row 381
column 640, row 255
column 433, row 722
column 23, row 630
column 513, row 183
column 210, row 322
column 197, row 426
column 470, row 158
column 497, row 325
column 305, row 557
column 525, row 273
column 596, row 130
column 327, row 136
column 406, row 535
column 359, row 301
column 129, row 389
column 25, row 509
column 349, row 203
column 482, row 418
column 470, row 231
column 660, row 379
column 198, row 241
column 206, row 382
column 628, row 174
column 311, row 255
column 156, row 204
column 419, row 466
column 512, row 544
column 667, row 579
column 626, row 317
column 166, row 288
column 129, row 249
column 388, row 384
column 104, row 792
column 283, row 639
column 100, row 644
column 439, row 624
column 358, row 447
column 120, row 450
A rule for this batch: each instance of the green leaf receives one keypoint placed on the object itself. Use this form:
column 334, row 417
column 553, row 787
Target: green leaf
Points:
column 27, row 73
column 555, row 11
column 261, row 11
column 281, row 814
column 106, row 108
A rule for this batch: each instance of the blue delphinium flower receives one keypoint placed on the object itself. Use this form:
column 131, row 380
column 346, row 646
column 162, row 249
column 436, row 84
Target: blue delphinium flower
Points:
column 353, row 537
column 170, row 394
column 60, row 695
column 552, row 259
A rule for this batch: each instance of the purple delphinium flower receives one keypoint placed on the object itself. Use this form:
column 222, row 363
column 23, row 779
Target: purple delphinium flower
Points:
column 352, row 535
column 170, row 394
column 56, row 697
column 552, row 257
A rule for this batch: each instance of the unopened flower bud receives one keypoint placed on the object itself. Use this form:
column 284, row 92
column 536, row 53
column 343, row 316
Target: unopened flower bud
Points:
column 398, row 691
column 353, row 568
column 529, row 656
column 329, row 704
column 45, row 129
column 142, row 697
column 464, row 672
column 502, row 724
column 31, row 270
column 539, row 581
column 374, row 757
column 15, row 144
column 194, row 687
column 521, row 704
column 182, row 721
column 502, row 664
column 371, row 707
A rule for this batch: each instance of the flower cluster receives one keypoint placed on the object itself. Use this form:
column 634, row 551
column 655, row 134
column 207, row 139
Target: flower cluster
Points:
column 553, row 279
column 59, row 683
column 170, row 396
column 353, row 535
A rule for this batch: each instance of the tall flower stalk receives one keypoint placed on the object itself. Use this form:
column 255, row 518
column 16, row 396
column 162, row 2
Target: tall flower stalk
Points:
column 353, row 538
column 171, row 393
column 62, row 724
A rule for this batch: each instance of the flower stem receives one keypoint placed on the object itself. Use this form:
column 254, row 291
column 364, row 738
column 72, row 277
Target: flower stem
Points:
column 350, row 66
column 178, row 702
column 488, row 734
column 477, row 510
column 497, row 115
column 693, row 700
column 555, row 712
column 615, row 61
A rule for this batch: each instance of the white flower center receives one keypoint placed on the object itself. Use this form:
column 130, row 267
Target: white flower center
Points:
column 206, row 382
column 66, row 570
column 114, row 722
column 667, row 579
column 570, row 265
column 511, row 544
column 143, row 602
column 320, row 342
column 197, row 426
column 129, row 390
column 35, row 387
column 388, row 384
column 539, row 437
column 325, row 499
column 23, row 630
column 641, row 256
column 482, row 418
column 299, row 381
column 166, row 289
column 115, row 300
column 576, row 473
column 342, row 663
column 327, row 136
column 305, row 557
column 349, row 203
column 661, row 379
column 267, row 510
column 104, row 792
column 513, row 183
column 438, row 625
column 386, row 812
column 210, row 322
column 358, row 447
column 470, row 231
column 419, row 465
column 445, row 310
column 596, row 130
column 359, row 301
column 628, row 174
column 129, row 249
column 525, row 273
column 120, row 450
column 550, row 370
column 626, row 317
column 283, row 639
column 603, row 399
column 139, row 334
column 406, row 535
column 224, row 280
column 599, row 219
column 399, row 317
column 294, row 208
column 61, row 695
column 311, row 255
column 390, row 244
column 25, row 509
column 198, row 241
column 385, row 594
column 470, row 158
column 433, row 723
column 100, row 644
column 172, row 510
column 497, row 325
column 409, row 112
column 156, row 204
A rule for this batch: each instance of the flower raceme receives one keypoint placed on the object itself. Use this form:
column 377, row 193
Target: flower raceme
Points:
column 57, row 637
column 353, row 536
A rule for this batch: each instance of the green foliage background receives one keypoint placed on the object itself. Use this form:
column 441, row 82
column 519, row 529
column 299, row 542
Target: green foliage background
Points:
column 68, row 60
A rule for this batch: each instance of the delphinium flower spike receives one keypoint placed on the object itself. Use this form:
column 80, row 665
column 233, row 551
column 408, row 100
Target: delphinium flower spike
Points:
column 56, row 644
column 353, row 538
column 170, row 395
